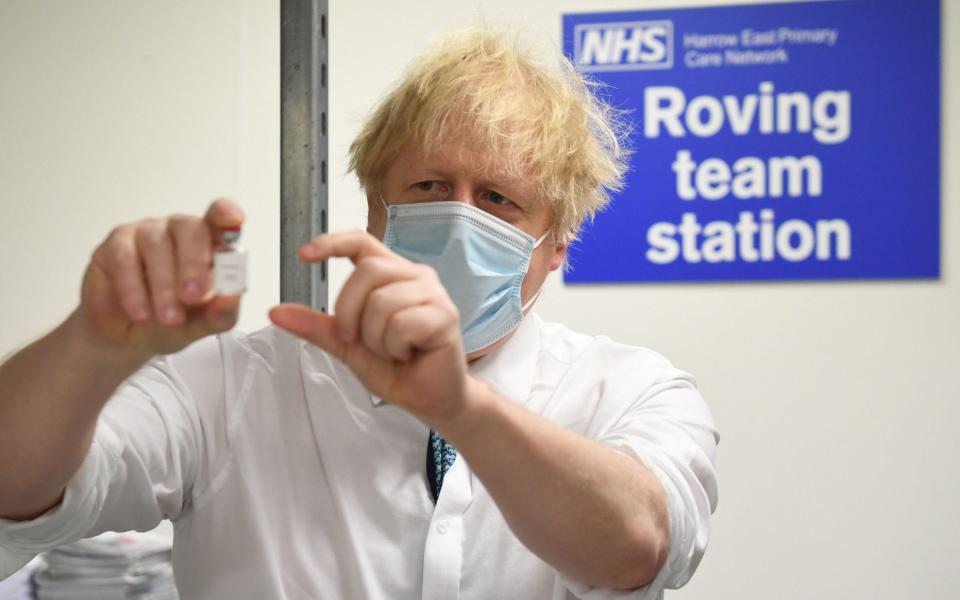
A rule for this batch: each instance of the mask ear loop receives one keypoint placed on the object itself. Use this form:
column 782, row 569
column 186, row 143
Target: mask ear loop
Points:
column 540, row 239
column 529, row 303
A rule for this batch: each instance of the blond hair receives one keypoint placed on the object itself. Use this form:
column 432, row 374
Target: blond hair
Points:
column 530, row 117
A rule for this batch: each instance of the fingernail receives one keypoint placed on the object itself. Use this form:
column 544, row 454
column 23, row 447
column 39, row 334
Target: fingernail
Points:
column 191, row 288
column 170, row 314
column 140, row 312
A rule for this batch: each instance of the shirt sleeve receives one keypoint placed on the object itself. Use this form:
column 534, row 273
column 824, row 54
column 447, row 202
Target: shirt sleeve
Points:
column 142, row 464
column 670, row 431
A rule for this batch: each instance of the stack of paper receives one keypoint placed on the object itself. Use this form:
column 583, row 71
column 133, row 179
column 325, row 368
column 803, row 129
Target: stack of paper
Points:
column 17, row 586
column 112, row 565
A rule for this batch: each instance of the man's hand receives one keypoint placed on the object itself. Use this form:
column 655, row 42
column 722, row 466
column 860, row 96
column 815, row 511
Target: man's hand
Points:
column 394, row 326
column 149, row 288
column 592, row 513
column 146, row 291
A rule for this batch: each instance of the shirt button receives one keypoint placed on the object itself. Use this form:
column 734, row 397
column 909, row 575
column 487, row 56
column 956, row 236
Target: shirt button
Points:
column 443, row 526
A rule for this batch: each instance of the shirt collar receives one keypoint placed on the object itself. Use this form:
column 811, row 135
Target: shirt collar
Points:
column 509, row 368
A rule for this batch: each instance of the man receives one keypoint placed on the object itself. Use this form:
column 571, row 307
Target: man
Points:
column 429, row 439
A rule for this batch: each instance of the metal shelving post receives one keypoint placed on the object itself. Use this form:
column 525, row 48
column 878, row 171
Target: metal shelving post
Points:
column 303, row 146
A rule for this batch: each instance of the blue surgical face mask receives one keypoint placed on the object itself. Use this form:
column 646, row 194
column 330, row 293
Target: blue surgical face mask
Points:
column 480, row 259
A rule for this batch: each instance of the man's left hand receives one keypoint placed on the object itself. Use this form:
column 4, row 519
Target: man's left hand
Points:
column 394, row 326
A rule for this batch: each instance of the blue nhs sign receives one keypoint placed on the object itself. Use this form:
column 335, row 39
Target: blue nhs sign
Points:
column 624, row 46
column 785, row 141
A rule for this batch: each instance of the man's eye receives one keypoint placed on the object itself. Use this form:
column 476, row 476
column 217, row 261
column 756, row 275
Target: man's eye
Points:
column 499, row 199
column 427, row 186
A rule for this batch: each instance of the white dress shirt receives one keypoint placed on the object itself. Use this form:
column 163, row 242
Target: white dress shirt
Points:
column 285, row 479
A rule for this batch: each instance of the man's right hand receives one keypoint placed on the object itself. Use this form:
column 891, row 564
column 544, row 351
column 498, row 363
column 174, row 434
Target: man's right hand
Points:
column 148, row 290
column 149, row 285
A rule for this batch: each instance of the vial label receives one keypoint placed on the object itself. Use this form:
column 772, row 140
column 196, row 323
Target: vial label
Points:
column 230, row 273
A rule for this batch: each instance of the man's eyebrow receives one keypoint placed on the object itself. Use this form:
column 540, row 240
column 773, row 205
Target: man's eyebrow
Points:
column 423, row 174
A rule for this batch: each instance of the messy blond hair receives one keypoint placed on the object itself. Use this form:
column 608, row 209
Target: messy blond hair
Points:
column 529, row 116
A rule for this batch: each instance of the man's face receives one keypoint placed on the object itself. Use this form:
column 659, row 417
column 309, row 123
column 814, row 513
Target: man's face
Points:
column 452, row 174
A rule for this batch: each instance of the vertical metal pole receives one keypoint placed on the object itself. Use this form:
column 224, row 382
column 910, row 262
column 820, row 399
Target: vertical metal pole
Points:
column 303, row 147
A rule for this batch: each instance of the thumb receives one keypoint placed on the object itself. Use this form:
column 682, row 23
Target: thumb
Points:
column 314, row 326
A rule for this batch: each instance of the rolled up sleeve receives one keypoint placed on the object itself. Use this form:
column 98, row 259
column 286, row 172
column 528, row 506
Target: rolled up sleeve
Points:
column 140, row 467
column 69, row 521
column 669, row 430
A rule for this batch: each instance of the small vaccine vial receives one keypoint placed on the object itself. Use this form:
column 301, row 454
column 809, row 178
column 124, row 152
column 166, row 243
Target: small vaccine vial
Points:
column 229, row 264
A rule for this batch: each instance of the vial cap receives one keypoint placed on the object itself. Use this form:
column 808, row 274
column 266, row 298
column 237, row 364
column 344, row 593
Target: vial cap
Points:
column 230, row 235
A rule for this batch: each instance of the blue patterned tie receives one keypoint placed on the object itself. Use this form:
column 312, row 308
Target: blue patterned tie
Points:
column 440, row 457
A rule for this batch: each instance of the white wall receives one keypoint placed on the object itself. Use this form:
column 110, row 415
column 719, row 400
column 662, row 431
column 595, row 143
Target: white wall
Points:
column 112, row 111
column 836, row 401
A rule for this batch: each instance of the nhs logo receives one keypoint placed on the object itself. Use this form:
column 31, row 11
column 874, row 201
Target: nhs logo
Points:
column 630, row 46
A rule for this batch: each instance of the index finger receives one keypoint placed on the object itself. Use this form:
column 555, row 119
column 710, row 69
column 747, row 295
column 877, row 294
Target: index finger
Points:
column 224, row 213
column 354, row 245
